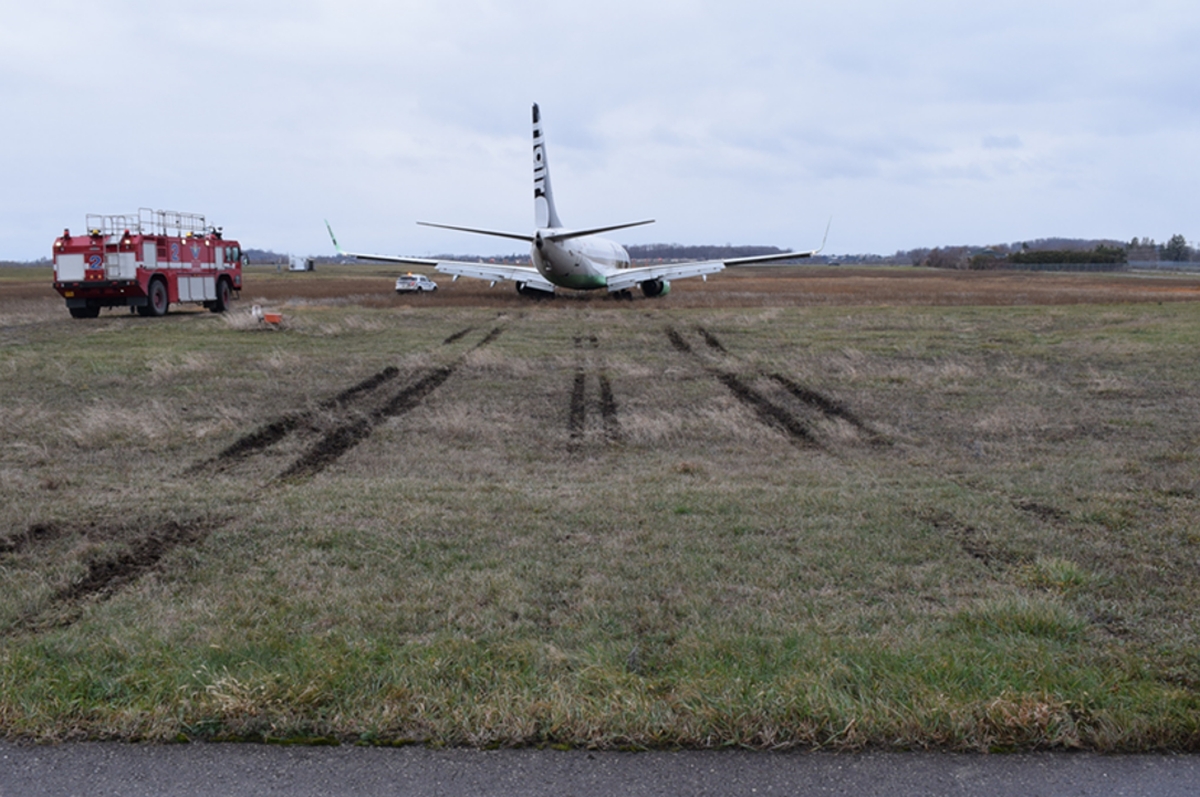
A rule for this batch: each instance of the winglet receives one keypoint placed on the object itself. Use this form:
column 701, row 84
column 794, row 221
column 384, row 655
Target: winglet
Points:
column 333, row 238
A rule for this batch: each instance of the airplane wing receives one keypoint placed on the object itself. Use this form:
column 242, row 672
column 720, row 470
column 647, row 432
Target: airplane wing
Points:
column 457, row 268
column 629, row 277
column 494, row 272
column 408, row 261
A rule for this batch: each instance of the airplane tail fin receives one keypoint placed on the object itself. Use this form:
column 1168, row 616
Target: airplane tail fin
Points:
column 543, row 198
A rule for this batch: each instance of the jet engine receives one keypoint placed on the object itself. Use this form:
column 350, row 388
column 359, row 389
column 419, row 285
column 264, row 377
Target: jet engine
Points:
column 652, row 288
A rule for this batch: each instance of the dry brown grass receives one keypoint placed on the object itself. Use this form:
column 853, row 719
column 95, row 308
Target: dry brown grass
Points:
column 773, row 523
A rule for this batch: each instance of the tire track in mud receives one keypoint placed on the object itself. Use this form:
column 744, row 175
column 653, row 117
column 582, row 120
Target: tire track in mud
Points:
column 678, row 342
column 459, row 335
column 608, row 408
column 140, row 547
column 339, row 440
column 712, row 340
column 347, row 433
column 577, row 415
column 768, row 411
column 105, row 576
column 1003, row 565
column 335, row 443
column 37, row 534
column 272, row 432
column 974, row 543
column 831, row 407
column 141, row 554
column 1044, row 512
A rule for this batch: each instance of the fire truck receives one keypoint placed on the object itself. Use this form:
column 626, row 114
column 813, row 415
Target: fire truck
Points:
column 146, row 262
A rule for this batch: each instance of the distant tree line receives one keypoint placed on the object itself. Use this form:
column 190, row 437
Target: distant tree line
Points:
column 1067, row 252
column 42, row 262
column 1176, row 249
column 1101, row 254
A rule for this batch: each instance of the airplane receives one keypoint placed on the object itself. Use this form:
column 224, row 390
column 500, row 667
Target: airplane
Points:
column 567, row 258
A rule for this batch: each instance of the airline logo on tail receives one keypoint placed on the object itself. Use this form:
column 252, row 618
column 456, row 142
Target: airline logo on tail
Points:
column 543, row 198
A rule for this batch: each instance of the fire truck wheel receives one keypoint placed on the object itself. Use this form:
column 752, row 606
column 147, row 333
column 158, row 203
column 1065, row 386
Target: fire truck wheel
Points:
column 158, row 298
column 84, row 312
column 224, row 293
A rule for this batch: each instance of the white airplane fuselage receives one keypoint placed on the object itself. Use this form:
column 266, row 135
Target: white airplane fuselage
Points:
column 578, row 263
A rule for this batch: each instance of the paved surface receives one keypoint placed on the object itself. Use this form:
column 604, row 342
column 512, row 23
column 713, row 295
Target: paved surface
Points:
column 224, row 769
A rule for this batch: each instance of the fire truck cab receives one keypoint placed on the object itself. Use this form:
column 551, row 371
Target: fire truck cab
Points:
column 146, row 262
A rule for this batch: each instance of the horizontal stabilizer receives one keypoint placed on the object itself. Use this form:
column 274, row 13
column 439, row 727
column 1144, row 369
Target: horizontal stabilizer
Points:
column 562, row 235
column 494, row 233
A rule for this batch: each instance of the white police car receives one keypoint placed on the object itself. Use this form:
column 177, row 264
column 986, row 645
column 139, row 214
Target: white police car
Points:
column 411, row 283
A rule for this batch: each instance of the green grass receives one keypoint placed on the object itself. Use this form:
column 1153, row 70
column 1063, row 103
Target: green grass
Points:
column 992, row 547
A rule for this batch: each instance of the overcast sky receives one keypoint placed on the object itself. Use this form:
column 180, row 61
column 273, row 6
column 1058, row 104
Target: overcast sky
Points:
column 909, row 123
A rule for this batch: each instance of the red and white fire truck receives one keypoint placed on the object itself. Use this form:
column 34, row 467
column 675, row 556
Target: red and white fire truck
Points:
column 146, row 262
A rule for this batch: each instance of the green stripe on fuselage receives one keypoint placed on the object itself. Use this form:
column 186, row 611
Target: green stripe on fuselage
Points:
column 580, row 282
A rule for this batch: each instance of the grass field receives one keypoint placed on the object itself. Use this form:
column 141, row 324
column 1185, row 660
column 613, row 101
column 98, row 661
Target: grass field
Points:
column 899, row 509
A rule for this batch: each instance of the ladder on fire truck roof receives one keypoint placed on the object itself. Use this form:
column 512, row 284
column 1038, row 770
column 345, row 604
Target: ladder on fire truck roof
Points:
column 149, row 222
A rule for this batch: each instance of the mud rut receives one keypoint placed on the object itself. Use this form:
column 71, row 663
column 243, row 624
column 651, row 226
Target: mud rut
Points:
column 106, row 575
column 589, row 362
column 791, row 411
column 357, row 411
column 999, row 562
column 350, row 417
column 791, row 408
column 146, row 542
column 775, row 399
